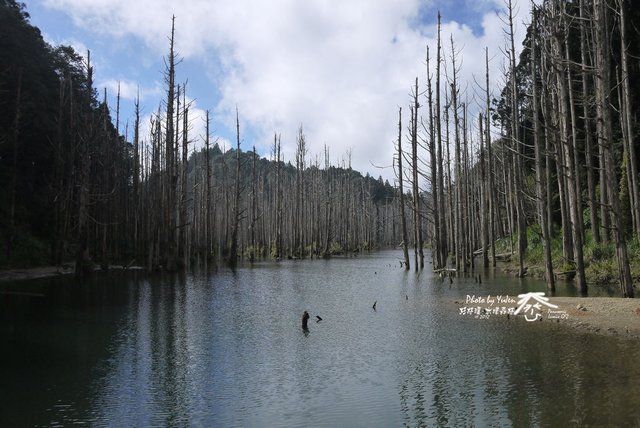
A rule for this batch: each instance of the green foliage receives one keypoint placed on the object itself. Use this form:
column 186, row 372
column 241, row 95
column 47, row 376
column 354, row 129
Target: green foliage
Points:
column 603, row 271
column 272, row 250
column 252, row 252
column 633, row 246
column 503, row 245
column 335, row 248
column 601, row 266
column 534, row 235
column 27, row 251
column 39, row 136
column 597, row 252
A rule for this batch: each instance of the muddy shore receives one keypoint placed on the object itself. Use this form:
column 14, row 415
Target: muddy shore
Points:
column 611, row 316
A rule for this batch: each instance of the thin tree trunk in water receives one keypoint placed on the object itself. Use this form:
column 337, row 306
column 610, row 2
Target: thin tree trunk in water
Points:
column 568, row 141
column 490, row 166
column 136, row 179
column 170, row 183
column 458, row 165
column 184, row 224
column 416, row 194
column 405, row 237
column 467, row 221
column 414, row 212
column 555, row 129
column 207, row 209
column 484, row 197
column 300, row 193
column 450, row 212
column 233, row 247
column 276, row 142
column 517, row 160
column 254, row 211
column 327, row 209
column 435, row 185
column 540, row 177
column 605, row 137
column 443, row 243
column 106, row 178
column 574, row 182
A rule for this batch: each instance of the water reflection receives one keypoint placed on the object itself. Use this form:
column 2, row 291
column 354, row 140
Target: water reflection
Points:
column 227, row 349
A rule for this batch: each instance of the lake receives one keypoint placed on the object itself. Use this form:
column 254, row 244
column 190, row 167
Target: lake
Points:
column 227, row 349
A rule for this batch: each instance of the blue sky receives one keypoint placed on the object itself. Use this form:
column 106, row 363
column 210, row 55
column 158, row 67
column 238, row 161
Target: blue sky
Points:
column 338, row 68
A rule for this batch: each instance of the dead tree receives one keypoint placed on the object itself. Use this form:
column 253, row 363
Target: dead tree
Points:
column 403, row 219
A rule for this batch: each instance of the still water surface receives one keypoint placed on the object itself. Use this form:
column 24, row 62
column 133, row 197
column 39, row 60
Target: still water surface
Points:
column 227, row 349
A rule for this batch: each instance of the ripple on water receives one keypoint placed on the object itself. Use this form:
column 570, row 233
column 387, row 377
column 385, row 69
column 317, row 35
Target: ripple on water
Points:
column 228, row 350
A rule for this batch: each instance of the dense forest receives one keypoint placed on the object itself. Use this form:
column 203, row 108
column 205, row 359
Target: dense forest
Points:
column 543, row 173
column 79, row 186
column 547, row 170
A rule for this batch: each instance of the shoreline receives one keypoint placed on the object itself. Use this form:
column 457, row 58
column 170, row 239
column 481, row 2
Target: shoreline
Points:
column 25, row 274
column 608, row 316
column 11, row 275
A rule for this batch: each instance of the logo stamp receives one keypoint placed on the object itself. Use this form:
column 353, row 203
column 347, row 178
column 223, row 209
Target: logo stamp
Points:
column 530, row 305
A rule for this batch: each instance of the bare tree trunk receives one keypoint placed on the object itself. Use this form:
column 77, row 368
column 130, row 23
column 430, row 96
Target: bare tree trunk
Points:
column 450, row 196
column 573, row 178
column 467, row 221
column 300, row 194
column 442, row 244
column 437, row 256
column 593, row 203
column 491, row 190
column 207, row 221
column 458, row 167
column 540, row 176
column 405, row 237
column 484, row 195
column 327, row 212
column 517, row 146
column 136, row 180
column 278, row 200
column 170, row 227
column 184, row 226
column 233, row 246
column 568, row 141
column 254, row 208
column 605, row 137
column 419, row 259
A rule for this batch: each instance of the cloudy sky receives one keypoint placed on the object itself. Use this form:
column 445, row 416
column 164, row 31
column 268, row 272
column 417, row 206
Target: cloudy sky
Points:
column 339, row 68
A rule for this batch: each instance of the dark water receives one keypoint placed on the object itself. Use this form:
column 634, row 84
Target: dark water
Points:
column 228, row 350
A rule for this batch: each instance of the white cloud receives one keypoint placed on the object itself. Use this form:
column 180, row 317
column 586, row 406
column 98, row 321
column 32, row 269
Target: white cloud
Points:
column 129, row 90
column 339, row 68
